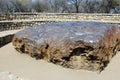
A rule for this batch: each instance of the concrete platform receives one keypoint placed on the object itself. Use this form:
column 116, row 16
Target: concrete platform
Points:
column 9, row 32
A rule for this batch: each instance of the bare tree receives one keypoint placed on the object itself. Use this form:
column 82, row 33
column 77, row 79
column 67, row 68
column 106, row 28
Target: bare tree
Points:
column 20, row 6
column 58, row 5
column 76, row 4
column 41, row 6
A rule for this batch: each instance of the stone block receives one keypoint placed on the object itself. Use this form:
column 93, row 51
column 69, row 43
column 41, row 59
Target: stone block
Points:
column 76, row 45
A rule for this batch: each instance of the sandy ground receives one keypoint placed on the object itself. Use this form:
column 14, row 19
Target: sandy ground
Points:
column 29, row 68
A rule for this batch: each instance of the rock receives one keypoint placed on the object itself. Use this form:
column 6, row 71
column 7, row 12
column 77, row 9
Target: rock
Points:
column 78, row 45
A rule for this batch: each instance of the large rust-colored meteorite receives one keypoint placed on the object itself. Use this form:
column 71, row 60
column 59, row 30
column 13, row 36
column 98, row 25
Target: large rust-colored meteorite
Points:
column 77, row 45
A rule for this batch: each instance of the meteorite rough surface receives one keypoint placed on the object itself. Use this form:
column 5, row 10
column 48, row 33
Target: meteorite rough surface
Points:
column 77, row 45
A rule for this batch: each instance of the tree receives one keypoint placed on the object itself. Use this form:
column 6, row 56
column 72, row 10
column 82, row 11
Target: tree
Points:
column 10, row 6
column 41, row 6
column 21, row 6
column 76, row 4
column 58, row 6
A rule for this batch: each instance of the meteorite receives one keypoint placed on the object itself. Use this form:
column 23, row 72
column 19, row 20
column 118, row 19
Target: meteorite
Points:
column 76, row 45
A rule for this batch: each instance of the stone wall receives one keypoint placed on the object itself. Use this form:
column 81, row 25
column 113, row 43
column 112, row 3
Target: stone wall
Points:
column 12, row 25
column 5, row 39
column 113, row 18
column 23, row 20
